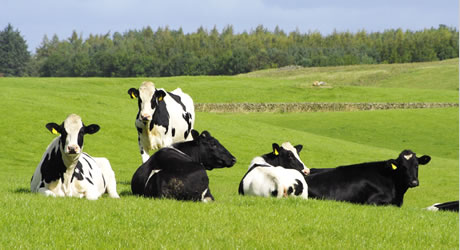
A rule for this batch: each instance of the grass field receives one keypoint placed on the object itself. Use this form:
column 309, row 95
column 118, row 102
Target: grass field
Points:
column 329, row 139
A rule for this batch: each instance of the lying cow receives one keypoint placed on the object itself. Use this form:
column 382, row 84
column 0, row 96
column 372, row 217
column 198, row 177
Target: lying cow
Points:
column 163, row 118
column 446, row 206
column 378, row 183
column 278, row 174
column 65, row 170
column 179, row 172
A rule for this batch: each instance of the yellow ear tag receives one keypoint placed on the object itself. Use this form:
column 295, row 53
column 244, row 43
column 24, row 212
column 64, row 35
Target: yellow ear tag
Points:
column 276, row 152
column 54, row 131
column 160, row 98
column 133, row 96
column 393, row 166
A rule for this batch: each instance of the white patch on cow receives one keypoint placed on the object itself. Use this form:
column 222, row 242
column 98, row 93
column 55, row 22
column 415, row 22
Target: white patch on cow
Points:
column 288, row 146
column 203, row 194
column 408, row 156
column 72, row 126
column 433, row 207
column 146, row 92
column 155, row 171
column 264, row 180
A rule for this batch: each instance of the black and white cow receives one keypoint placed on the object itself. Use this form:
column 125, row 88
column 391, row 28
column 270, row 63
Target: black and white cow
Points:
column 446, row 206
column 378, row 183
column 179, row 172
column 280, row 173
column 163, row 118
column 65, row 170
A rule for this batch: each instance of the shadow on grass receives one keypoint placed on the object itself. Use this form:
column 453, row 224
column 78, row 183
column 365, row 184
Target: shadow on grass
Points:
column 22, row 191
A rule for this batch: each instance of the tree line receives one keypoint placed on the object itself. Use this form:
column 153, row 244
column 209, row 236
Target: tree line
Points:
column 167, row 52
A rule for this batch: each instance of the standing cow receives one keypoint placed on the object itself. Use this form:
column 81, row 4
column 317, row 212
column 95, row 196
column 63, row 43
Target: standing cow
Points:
column 377, row 183
column 280, row 173
column 65, row 170
column 163, row 118
column 179, row 172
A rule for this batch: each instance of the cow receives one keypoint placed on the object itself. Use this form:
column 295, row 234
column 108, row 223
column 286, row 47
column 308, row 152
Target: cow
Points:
column 446, row 206
column 163, row 118
column 377, row 183
column 179, row 171
column 279, row 173
column 65, row 170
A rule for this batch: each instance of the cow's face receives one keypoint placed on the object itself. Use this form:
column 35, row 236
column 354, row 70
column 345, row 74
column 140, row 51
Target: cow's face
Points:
column 212, row 153
column 407, row 166
column 148, row 99
column 72, row 131
column 286, row 156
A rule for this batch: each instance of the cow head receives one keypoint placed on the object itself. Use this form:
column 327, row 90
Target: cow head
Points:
column 72, row 131
column 286, row 156
column 406, row 167
column 148, row 99
column 211, row 153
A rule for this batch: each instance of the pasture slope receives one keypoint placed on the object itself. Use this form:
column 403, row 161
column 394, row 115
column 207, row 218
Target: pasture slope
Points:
column 329, row 138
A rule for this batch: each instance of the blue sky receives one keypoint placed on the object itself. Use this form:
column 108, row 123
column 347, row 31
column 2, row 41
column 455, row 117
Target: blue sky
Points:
column 36, row 18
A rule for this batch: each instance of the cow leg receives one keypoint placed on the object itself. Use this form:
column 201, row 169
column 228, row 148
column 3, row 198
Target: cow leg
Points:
column 144, row 155
column 109, row 176
column 207, row 196
column 46, row 192
column 379, row 199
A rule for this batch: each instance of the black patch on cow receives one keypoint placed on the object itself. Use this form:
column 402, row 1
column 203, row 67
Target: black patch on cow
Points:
column 89, row 180
column 103, row 179
column 275, row 193
column 177, row 99
column 188, row 119
column 173, row 132
column 42, row 184
column 139, row 130
column 89, row 164
column 78, row 172
column 298, row 187
column 160, row 116
column 290, row 190
column 53, row 167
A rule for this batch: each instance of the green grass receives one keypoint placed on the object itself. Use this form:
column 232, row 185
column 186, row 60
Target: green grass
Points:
column 329, row 138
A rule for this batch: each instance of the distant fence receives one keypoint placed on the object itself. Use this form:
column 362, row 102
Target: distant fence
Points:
column 312, row 107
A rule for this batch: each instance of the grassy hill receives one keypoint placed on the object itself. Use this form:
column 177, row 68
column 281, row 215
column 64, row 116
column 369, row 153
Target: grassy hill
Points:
column 329, row 139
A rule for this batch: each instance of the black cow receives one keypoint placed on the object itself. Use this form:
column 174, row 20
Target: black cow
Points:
column 179, row 172
column 446, row 206
column 378, row 183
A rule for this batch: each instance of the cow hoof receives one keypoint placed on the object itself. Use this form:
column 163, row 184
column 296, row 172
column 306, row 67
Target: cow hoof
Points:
column 207, row 200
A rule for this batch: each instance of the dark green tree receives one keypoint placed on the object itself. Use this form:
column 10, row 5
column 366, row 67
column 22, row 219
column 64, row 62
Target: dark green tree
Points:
column 14, row 55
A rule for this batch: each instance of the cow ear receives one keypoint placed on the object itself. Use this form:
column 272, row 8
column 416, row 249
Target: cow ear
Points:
column 133, row 93
column 276, row 149
column 298, row 148
column 424, row 159
column 160, row 94
column 195, row 134
column 53, row 128
column 91, row 129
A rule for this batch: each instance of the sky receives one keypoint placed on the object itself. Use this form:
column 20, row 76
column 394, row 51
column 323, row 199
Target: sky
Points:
column 36, row 18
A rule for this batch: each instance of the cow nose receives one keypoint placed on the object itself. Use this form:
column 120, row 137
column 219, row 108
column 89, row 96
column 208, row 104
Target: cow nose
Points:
column 73, row 149
column 233, row 161
column 145, row 117
column 414, row 183
column 306, row 171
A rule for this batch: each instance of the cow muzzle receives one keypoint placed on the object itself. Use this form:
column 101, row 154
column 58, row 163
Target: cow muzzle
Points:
column 413, row 183
column 73, row 149
column 306, row 171
column 145, row 118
